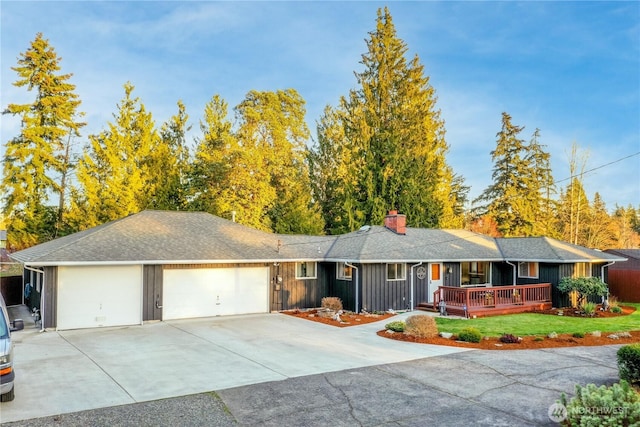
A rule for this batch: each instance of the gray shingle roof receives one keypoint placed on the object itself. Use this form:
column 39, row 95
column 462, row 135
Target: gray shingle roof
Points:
column 379, row 244
column 546, row 249
column 159, row 236
column 628, row 253
column 199, row 238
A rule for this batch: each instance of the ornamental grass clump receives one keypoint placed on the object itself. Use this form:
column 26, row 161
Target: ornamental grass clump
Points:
column 470, row 335
column 589, row 309
column 332, row 303
column 422, row 326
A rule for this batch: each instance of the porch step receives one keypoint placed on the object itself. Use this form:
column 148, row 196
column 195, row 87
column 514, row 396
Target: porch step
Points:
column 425, row 306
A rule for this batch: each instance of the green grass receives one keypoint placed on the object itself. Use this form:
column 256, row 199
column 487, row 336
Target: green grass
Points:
column 541, row 324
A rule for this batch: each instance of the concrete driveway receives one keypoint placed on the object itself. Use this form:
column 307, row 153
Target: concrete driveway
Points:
column 69, row 371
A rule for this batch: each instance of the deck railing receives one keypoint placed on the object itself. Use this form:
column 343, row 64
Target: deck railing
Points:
column 492, row 300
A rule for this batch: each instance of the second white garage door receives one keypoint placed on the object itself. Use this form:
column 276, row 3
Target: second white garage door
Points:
column 204, row 292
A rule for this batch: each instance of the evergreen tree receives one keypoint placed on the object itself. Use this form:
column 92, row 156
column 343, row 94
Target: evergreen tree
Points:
column 169, row 164
column 541, row 189
column 393, row 138
column 37, row 161
column 227, row 179
column 272, row 125
column 626, row 227
column 115, row 173
column 521, row 174
column 600, row 232
column 333, row 175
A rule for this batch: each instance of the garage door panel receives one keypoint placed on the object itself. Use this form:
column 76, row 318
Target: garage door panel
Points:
column 99, row 296
column 205, row 292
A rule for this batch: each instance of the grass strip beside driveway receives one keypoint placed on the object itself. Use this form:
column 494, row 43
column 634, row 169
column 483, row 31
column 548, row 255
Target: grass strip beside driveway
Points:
column 542, row 324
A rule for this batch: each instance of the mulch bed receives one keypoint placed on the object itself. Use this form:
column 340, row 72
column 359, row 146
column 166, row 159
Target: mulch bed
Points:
column 490, row 343
column 348, row 318
column 528, row 342
column 571, row 312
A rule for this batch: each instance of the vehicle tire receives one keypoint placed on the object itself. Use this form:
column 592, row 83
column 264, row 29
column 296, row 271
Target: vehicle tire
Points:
column 8, row 397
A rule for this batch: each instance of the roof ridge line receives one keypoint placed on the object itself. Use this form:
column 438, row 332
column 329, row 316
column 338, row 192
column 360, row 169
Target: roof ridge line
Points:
column 546, row 239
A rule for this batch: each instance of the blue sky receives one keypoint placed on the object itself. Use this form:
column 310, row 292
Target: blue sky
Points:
column 571, row 69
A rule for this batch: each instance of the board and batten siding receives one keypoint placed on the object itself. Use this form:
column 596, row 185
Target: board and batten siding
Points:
column 49, row 310
column 380, row 294
column 295, row 293
column 152, row 292
column 343, row 289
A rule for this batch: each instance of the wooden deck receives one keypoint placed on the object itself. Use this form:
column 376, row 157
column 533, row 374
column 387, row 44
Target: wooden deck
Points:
column 494, row 300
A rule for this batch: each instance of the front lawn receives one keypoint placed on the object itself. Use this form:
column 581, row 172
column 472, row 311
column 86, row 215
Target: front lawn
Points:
column 542, row 324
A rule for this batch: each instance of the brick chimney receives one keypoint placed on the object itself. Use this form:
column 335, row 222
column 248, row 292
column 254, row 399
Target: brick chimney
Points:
column 396, row 222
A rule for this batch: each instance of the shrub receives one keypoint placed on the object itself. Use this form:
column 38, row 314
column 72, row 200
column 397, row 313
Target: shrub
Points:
column 332, row 303
column 578, row 334
column 613, row 302
column 629, row 363
column 470, row 335
column 538, row 339
column 616, row 309
column 509, row 339
column 589, row 308
column 421, row 326
column 618, row 405
column 584, row 286
column 395, row 326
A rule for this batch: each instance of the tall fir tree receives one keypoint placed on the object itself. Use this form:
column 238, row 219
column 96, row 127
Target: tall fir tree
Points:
column 521, row 177
column 541, row 189
column 393, row 138
column 600, row 231
column 36, row 162
column 228, row 180
column 169, row 164
column 273, row 126
column 115, row 174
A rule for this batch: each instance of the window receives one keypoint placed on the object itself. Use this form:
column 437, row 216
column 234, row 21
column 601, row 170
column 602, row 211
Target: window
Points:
column 343, row 271
column 528, row 270
column 305, row 270
column 396, row 272
column 475, row 273
column 582, row 269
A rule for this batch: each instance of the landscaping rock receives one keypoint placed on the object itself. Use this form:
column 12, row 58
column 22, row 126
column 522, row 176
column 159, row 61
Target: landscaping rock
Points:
column 552, row 335
column 596, row 333
column 446, row 335
column 613, row 336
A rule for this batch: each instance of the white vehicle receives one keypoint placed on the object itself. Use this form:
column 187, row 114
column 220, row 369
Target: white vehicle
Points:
column 6, row 353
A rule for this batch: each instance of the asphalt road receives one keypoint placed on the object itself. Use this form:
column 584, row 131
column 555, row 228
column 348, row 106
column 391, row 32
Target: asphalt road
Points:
column 480, row 388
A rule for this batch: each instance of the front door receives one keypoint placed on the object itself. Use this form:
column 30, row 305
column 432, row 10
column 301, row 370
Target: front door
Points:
column 435, row 278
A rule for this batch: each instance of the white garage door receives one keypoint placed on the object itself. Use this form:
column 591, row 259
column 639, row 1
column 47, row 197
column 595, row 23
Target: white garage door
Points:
column 89, row 297
column 205, row 292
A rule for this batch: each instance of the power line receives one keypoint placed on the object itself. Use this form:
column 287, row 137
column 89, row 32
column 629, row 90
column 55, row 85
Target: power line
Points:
column 600, row 167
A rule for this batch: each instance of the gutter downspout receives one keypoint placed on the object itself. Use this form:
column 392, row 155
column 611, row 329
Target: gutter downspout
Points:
column 411, row 294
column 515, row 269
column 41, row 295
column 602, row 274
column 357, row 293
